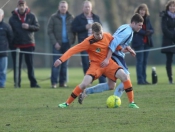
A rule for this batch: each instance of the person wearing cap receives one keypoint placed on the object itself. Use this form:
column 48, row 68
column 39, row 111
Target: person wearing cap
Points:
column 6, row 37
column 24, row 24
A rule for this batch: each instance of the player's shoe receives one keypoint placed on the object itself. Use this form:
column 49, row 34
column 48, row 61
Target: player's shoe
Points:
column 63, row 105
column 133, row 105
column 81, row 97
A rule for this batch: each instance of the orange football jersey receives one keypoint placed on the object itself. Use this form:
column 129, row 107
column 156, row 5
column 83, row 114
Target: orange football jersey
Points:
column 97, row 50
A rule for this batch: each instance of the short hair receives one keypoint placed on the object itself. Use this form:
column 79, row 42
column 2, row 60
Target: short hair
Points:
column 63, row 1
column 85, row 1
column 143, row 6
column 137, row 18
column 1, row 12
column 168, row 4
column 21, row 2
column 96, row 27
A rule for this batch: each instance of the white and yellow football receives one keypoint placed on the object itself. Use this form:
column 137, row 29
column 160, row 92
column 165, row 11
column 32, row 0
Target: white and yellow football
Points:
column 113, row 101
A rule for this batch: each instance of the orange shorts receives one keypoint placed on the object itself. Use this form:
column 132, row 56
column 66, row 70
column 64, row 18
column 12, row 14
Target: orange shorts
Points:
column 109, row 71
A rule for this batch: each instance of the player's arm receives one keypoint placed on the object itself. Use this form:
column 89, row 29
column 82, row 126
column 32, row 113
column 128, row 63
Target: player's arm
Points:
column 106, row 61
column 83, row 46
column 119, row 48
column 130, row 50
column 126, row 50
column 125, row 38
column 112, row 47
column 109, row 54
column 119, row 38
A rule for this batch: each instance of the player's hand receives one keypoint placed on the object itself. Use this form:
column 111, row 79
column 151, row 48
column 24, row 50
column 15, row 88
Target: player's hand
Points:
column 25, row 26
column 104, row 63
column 57, row 63
column 124, row 50
column 133, row 53
column 57, row 46
column 129, row 49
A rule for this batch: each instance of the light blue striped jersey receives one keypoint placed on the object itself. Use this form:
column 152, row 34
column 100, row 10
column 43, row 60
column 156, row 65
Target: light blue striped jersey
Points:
column 123, row 37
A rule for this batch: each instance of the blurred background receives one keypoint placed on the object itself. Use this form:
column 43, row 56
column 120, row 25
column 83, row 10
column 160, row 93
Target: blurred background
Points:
column 112, row 13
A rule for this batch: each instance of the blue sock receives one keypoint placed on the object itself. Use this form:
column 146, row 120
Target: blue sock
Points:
column 97, row 88
column 119, row 90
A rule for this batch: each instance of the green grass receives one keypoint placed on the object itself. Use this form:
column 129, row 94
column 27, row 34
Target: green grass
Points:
column 35, row 110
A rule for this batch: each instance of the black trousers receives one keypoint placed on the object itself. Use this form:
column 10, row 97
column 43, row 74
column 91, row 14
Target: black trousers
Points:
column 29, row 63
column 169, row 61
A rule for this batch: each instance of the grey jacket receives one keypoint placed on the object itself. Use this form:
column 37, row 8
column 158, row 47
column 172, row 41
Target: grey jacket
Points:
column 55, row 28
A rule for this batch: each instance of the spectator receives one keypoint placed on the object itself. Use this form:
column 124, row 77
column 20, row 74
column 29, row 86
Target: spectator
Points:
column 82, row 26
column 24, row 24
column 6, row 37
column 61, row 38
column 142, row 41
column 168, row 29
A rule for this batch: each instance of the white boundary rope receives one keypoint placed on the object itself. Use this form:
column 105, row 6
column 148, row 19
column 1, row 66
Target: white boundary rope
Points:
column 156, row 49
column 37, row 53
column 7, row 51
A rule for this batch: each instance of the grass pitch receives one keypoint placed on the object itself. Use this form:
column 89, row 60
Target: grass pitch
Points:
column 36, row 110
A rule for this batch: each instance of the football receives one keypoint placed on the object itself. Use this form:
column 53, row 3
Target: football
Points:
column 113, row 101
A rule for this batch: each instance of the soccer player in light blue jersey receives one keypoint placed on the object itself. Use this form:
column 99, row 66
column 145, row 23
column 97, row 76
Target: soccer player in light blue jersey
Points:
column 119, row 45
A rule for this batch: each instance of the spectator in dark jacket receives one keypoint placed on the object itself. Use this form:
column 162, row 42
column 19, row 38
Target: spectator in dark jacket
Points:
column 142, row 41
column 6, row 37
column 82, row 26
column 61, row 39
column 24, row 24
column 168, row 29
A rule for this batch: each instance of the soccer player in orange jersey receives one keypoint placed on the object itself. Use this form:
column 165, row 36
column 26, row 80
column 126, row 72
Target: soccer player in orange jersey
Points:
column 122, row 38
column 97, row 47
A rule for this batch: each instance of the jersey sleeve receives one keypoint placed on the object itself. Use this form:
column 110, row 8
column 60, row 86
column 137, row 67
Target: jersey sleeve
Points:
column 83, row 46
column 119, row 38
column 119, row 48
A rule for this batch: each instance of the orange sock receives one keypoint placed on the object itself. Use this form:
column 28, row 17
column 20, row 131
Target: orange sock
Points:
column 76, row 92
column 128, row 89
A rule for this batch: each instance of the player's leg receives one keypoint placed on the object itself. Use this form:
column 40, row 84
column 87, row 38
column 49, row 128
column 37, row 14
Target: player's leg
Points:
column 77, row 90
column 96, row 89
column 127, row 86
column 100, row 87
column 119, row 90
